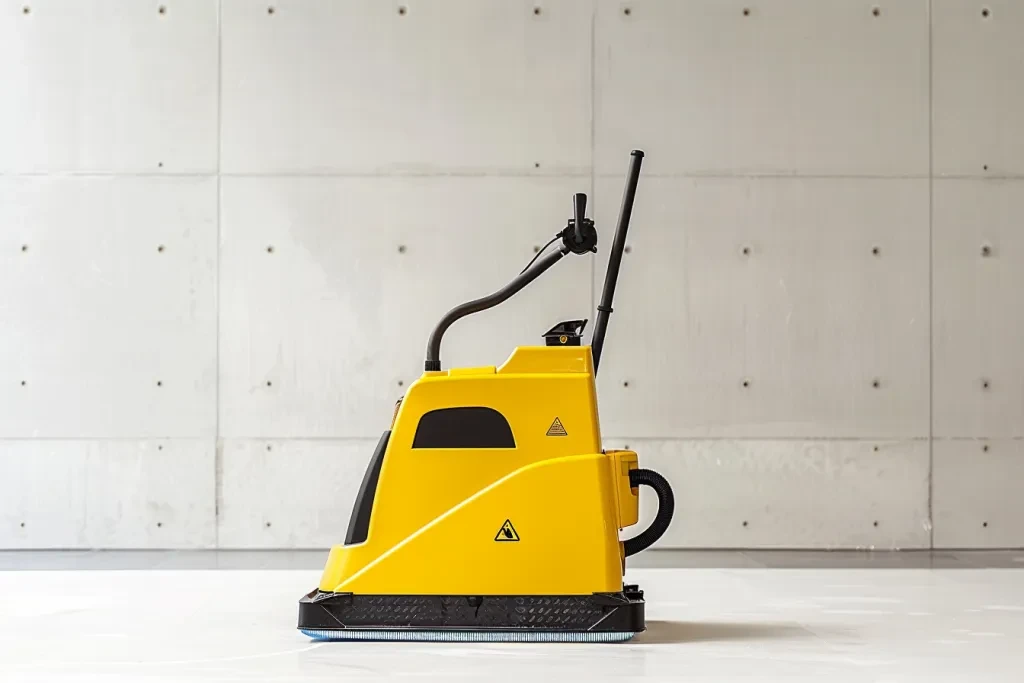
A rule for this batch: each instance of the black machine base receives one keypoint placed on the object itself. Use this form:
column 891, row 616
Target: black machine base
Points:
column 342, row 616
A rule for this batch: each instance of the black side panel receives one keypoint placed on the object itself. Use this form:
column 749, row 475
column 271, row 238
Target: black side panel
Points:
column 463, row 428
column 359, row 522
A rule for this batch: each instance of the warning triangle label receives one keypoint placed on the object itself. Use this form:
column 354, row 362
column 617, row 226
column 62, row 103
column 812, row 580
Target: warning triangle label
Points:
column 556, row 429
column 507, row 532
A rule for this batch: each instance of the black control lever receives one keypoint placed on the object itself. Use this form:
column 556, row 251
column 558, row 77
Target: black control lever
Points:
column 579, row 236
column 579, row 210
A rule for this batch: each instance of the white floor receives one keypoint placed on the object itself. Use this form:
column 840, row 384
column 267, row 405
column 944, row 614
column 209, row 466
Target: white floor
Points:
column 835, row 625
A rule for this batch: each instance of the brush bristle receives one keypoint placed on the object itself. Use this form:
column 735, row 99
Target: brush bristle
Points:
column 470, row 636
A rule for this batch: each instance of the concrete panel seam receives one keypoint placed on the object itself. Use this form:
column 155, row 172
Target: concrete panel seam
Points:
column 218, row 452
column 398, row 173
column 979, row 439
column 499, row 173
column 593, row 138
column 777, row 176
column 838, row 439
column 931, row 290
column 114, row 439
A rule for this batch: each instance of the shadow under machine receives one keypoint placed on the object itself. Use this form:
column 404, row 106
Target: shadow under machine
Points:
column 489, row 510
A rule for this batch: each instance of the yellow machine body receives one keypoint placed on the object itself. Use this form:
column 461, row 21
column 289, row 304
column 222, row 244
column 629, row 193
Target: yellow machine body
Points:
column 489, row 511
column 539, row 518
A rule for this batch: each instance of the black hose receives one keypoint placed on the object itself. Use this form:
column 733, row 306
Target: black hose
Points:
column 539, row 252
column 666, row 506
column 433, row 362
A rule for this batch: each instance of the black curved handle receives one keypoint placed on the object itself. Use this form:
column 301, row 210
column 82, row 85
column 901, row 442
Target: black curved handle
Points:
column 666, row 506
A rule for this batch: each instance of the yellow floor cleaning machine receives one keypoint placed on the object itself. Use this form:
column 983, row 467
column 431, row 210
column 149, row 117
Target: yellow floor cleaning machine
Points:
column 489, row 510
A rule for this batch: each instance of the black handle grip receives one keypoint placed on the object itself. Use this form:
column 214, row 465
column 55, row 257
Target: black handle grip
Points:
column 579, row 210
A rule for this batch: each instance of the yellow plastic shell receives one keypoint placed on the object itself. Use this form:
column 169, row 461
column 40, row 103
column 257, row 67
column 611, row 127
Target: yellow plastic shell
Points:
column 438, row 513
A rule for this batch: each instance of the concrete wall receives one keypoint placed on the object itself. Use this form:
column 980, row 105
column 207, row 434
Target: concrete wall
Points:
column 226, row 229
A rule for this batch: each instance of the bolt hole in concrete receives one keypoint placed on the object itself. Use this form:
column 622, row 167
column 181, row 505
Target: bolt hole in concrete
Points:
column 268, row 525
column 159, row 383
column 876, row 523
column 876, row 11
column 160, row 524
column 745, row 523
column 536, row 249
column 270, row 250
column 270, row 10
column 984, row 384
column 536, row 164
column 401, row 383
column 269, row 383
column 162, row 10
column 746, row 383
column 876, row 383
column 159, row 448
column 402, row 11
column 23, row 382
column 159, row 164
column 24, row 247
column 985, row 167
column 746, row 11
column 23, row 525
column 628, row 249
column 876, row 251
column 626, row 384
column 26, row 10
column 401, row 248
column 984, row 449
column 986, row 250
column 627, row 11
column 875, row 449
column 746, row 251
column 984, row 524
column 536, row 11
column 985, row 12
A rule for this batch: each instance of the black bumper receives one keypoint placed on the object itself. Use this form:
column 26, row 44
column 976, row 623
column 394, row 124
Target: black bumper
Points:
column 599, row 612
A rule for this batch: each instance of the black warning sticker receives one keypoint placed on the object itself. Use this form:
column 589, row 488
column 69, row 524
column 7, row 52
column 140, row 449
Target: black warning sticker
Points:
column 556, row 429
column 507, row 532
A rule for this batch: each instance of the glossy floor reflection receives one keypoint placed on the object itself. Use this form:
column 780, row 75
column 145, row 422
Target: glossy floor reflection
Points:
column 732, row 624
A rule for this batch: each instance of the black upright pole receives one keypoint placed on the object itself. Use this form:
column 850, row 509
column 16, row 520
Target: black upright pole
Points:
column 604, row 309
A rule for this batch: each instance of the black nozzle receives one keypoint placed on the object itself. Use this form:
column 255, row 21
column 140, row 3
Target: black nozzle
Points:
column 579, row 210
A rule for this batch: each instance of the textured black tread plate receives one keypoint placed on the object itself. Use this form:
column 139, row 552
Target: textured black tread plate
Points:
column 621, row 612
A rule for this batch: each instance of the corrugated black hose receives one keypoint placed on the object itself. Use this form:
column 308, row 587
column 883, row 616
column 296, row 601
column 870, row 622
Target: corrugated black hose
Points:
column 666, row 506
